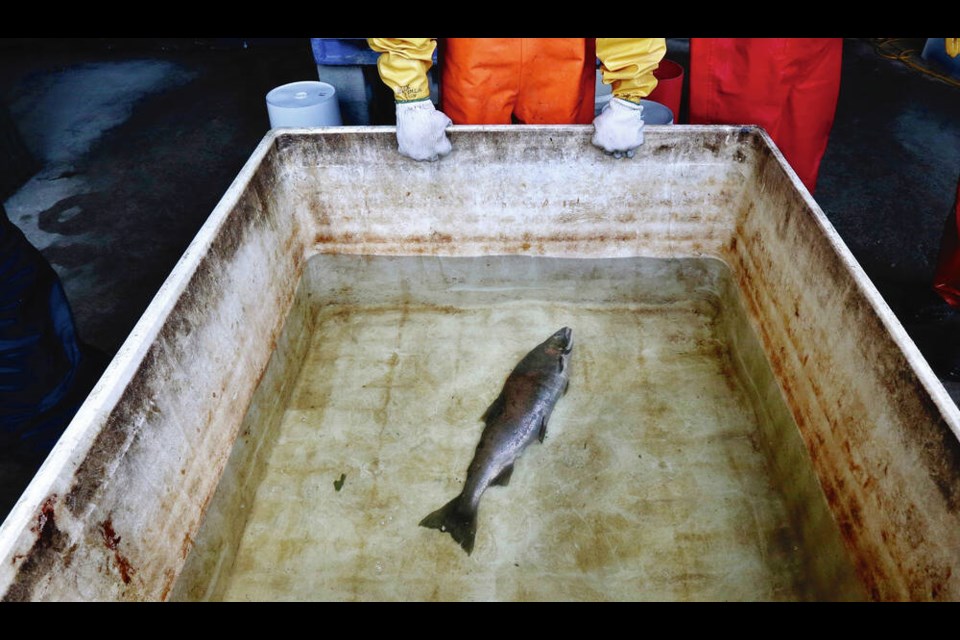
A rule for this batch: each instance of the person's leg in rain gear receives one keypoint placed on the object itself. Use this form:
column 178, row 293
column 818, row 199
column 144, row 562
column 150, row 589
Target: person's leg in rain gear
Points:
column 44, row 374
column 788, row 86
column 946, row 284
column 527, row 80
column 946, row 279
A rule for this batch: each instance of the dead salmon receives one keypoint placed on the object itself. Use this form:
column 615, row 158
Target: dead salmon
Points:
column 516, row 418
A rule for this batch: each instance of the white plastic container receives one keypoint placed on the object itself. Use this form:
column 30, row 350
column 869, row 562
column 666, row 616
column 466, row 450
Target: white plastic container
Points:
column 309, row 103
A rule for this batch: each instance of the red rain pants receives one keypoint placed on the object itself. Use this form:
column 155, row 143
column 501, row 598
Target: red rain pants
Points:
column 788, row 86
column 535, row 80
column 946, row 280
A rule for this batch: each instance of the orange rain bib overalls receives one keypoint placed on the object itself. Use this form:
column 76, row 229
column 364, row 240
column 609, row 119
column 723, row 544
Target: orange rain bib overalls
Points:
column 531, row 80
column 528, row 80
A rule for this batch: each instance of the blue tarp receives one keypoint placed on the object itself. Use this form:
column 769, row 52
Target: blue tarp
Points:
column 345, row 51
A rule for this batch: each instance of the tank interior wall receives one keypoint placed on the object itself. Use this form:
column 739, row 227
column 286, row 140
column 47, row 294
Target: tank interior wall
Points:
column 886, row 456
column 828, row 573
column 515, row 192
column 222, row 527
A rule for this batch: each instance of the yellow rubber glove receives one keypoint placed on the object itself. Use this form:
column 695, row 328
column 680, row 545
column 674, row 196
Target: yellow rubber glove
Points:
column 628, row 64
column 953, row 46
column 403, row 65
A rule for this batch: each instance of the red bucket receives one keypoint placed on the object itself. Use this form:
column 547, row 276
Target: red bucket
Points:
column 669, row 86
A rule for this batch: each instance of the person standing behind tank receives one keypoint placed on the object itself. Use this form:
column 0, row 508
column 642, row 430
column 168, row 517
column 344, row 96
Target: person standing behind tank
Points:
column 524, row 80
column 946, row 279
column 788, row 86
column 46, row 372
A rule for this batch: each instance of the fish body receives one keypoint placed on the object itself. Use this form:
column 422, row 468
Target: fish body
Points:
column 516, row 419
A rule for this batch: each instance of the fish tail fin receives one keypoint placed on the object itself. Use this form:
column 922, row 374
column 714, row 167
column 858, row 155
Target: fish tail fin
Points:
column 459, row 522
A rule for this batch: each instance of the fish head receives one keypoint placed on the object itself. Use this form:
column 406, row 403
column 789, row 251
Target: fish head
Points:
column 559, row 346
column 550, row 358
column 561, row 342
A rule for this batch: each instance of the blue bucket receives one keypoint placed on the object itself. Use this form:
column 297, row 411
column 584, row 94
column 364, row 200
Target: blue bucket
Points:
column 656, row 113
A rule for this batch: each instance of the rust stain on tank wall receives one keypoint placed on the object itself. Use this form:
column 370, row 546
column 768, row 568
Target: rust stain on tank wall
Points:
column 186, row 545
column 170, row 577
column 750, row 283
column 46, row 527
column 844, row 505
column 661, row 149
column 44, row 555
column 112, row 542
column 909, row 542
column 905, row 546
column 510, row 243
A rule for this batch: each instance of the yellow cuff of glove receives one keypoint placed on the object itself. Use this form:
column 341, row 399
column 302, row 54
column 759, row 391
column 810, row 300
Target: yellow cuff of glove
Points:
column 628, row 65
column 403, row 65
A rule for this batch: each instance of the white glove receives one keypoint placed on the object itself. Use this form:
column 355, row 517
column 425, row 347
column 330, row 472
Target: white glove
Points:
column 619, row 127
column 421, row 130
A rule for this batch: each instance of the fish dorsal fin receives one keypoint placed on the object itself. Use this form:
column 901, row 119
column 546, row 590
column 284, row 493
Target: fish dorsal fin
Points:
column 494, row 409
column 543, row 428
